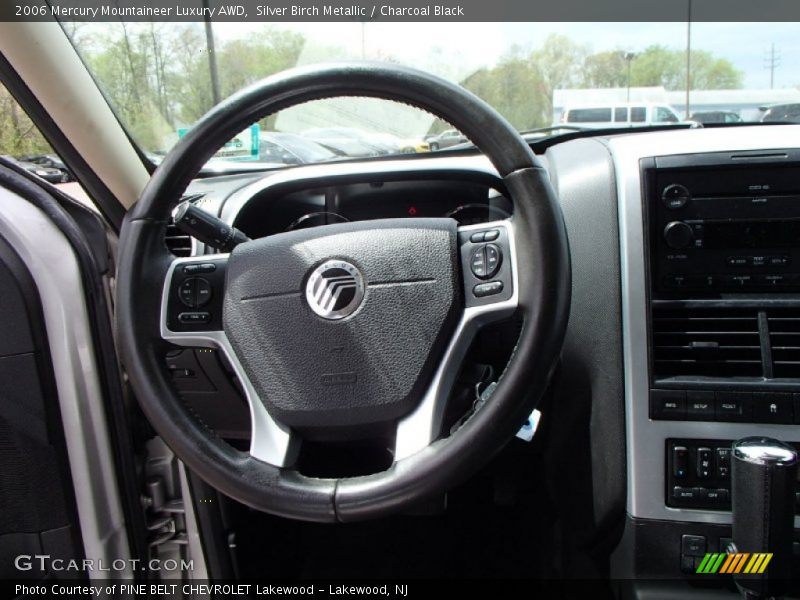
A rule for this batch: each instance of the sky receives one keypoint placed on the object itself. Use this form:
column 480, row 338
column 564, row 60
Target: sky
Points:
column 456, row 49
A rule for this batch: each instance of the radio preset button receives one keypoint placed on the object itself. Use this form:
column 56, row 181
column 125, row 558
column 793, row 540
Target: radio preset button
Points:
column 738, row 261
column 778, row 261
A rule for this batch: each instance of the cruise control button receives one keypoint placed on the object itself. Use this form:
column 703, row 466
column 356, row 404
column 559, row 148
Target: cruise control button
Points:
column 494, row 256
column 202, row 292
column 487, row 289
column 186, row 292
column 491, row 235
column 477, row 262
column 194, row 317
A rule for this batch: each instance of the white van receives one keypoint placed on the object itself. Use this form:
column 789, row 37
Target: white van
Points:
column 619, row 115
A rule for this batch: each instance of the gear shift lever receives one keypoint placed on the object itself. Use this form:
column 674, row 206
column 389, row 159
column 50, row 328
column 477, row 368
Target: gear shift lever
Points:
column 764, row 474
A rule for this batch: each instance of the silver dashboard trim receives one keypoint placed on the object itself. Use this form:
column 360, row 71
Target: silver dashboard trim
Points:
column 645, row 439
column 420, row 428
column 270, row 441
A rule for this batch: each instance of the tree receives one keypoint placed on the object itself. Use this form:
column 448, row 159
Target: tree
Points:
column 605, row 70
column 659, row 65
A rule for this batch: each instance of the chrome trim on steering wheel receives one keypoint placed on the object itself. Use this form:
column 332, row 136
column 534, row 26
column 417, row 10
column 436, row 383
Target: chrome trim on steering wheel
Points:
column 270, row 441
column 420, row 428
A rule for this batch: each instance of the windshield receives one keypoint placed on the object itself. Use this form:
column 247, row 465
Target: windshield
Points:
column 545, row 78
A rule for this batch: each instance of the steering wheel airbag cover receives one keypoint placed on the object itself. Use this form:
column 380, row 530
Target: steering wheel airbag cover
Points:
column 369, row 367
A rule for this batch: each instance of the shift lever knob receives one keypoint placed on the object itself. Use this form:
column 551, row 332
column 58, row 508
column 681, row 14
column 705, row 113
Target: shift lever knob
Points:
column 763, row 481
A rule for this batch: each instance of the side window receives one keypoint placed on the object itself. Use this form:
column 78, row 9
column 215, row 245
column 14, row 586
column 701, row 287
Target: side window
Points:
column 589, row 115
column 664, row 115
column 620, row 114
column 638, row 114
column 22, row 143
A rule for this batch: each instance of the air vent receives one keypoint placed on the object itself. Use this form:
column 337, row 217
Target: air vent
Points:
column 784, row 337
column 178, row 242
column 710, row 342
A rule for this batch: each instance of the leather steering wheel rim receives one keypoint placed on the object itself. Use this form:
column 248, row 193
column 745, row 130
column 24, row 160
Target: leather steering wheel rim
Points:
column 543, row 279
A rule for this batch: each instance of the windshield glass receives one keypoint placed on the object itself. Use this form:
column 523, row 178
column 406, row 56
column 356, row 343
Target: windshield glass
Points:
column 160, row 78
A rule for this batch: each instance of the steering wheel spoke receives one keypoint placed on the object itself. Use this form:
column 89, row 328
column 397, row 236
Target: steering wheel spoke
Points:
column 489, row 277
column 191, row 316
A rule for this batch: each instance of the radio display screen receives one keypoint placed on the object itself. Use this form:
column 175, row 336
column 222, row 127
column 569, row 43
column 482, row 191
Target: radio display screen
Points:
column 751, row 234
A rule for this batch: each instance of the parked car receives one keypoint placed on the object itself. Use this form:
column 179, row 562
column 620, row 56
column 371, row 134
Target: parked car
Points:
column 46, row 173
column 447, row 138
column 781, row 113
column 347, row 141
column 52, row 161
column 619, row 115
column 398, row 144
column 716, row 116
column 292, row 149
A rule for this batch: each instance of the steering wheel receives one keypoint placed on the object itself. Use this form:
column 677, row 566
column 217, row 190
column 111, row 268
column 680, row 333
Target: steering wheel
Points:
column 344, row 330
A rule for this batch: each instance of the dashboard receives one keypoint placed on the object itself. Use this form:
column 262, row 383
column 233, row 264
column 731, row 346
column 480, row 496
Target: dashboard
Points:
column 684, row 330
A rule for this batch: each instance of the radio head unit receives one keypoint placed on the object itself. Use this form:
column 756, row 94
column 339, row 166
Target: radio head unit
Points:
column 723, row 223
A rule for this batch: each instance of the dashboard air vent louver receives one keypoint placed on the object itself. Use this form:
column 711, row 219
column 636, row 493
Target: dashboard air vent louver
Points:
column 784, row 337
column 706, row 342
column 178, row 242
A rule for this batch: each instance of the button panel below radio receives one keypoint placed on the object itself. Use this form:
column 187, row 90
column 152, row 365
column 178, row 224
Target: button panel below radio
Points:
column 698, row 474
column 780, row 408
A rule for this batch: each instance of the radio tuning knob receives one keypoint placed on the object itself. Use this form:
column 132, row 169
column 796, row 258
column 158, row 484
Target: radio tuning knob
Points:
column 678, row 234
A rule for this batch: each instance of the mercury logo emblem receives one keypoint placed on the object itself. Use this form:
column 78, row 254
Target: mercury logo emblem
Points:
column 335, row 289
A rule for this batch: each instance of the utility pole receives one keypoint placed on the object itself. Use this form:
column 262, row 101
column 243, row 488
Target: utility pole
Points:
column 688, row 57
column 212, row 56
column 629, row 56
column 771, row 62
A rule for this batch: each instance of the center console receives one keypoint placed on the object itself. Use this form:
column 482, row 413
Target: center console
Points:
column 723, row 257
column 710, row 252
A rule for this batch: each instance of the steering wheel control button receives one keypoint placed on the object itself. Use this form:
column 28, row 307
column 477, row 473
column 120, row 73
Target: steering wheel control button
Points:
column 199, row 268
column 675, row 196
column 477, row 262
column 491, row 235
column 477, row 238
column 194, row 317
column 487, row 289
column 202, row 292
column 494, row 256
column 335, row 289
column 186, row 292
